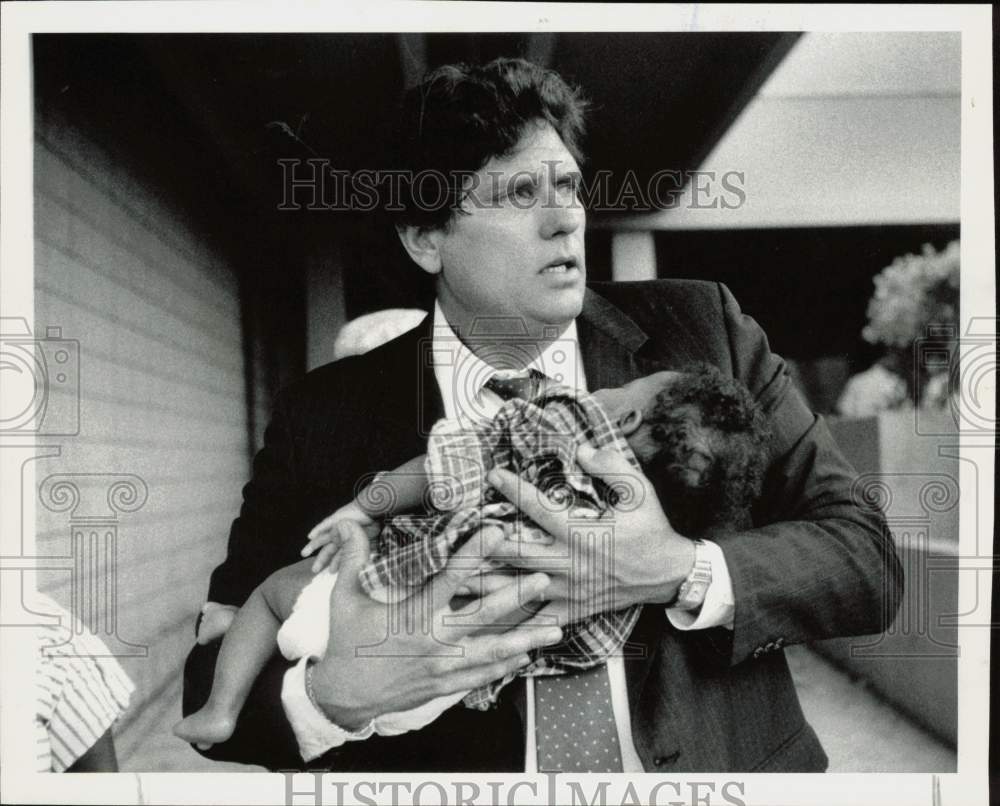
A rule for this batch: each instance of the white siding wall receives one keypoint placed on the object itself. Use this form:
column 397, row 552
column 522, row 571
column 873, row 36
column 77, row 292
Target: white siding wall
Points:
column 162, row 397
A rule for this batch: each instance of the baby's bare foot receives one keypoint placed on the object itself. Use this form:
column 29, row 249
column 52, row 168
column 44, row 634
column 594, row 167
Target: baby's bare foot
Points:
column 206, row 727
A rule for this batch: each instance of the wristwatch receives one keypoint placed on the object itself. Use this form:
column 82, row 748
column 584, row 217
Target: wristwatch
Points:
column 691, row 593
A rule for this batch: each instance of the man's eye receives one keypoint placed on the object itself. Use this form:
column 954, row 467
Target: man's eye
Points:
column 525, row 190
column 569, row 183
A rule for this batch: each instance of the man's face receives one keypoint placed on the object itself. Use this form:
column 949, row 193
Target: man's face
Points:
column 519, row 251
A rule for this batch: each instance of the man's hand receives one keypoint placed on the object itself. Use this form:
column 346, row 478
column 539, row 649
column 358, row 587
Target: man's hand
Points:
column 643, row 560
column 383, row 658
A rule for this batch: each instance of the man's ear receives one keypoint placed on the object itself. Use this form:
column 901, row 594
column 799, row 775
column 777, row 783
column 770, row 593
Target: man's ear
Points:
column 423, row 245
column 630, row 421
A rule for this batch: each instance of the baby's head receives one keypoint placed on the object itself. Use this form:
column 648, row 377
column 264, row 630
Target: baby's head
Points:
column 701, row 439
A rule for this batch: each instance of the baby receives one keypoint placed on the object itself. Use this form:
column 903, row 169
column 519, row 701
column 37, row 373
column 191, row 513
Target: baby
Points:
column 698, row 436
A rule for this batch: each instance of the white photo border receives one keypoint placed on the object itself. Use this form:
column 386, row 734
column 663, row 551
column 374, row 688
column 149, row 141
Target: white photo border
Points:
column 19, row 20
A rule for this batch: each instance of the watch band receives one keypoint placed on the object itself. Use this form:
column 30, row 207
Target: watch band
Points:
column 362, row 733
column 310, row 693
column 692, row 592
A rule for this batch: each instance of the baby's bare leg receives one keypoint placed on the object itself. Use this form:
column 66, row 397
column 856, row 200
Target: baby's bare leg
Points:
column 247, row 646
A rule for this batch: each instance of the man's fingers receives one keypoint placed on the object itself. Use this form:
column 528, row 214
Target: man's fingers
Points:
column 629, row 484
column 485, row 650
column 600, row 461
column 531, row 556
column 472, row 678
column 493, row 648
column 463, row 564
column 483, row 583
column 553, row 615
column 499, row 605
column 528, row 499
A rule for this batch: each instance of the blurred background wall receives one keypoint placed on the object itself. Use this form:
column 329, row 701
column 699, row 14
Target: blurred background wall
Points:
column 157, row 313
column 850, row 153
column 148, row 261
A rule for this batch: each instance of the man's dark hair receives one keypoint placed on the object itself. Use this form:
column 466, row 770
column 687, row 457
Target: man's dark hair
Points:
column 460, row 116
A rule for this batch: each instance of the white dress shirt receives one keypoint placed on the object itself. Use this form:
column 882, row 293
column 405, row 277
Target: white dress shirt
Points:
column 460, row 374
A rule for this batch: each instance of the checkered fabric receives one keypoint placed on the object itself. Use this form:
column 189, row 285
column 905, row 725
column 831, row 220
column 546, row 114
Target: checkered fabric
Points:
column 537, row 440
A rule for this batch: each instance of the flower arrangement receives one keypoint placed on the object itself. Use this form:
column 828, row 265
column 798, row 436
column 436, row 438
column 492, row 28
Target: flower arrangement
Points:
column 916, row 298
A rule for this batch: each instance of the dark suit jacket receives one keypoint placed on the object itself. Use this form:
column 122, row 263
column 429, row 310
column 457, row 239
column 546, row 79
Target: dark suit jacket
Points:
column 814, row 566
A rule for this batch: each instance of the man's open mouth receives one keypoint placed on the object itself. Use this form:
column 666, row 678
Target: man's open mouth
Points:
column 560, row 267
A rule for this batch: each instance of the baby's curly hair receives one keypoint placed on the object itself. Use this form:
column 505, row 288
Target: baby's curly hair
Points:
column 713, row 444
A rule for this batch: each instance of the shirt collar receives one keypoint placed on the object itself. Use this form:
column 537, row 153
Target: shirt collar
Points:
column 460, row 373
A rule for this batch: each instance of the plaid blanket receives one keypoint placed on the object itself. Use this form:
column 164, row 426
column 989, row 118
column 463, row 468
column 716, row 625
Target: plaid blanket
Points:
column 536, row 439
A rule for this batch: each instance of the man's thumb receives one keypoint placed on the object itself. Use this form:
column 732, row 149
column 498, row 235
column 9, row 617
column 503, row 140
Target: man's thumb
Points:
column 628, row 486
column 601, row 462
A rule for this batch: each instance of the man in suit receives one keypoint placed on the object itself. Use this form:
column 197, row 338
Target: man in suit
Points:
column 704, row 685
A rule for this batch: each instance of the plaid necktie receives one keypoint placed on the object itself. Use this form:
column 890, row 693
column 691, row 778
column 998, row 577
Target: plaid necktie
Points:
column 524, row 385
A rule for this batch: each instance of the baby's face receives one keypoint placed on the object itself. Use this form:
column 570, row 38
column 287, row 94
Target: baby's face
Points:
column 636, row 396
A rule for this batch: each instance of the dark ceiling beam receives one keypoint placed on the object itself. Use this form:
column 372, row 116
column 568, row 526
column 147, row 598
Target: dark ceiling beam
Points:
column 186, row 81
column 747, row 92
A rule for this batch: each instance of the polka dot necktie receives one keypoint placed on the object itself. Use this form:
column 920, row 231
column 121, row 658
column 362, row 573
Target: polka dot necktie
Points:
column 575, row 727
column 525, row 385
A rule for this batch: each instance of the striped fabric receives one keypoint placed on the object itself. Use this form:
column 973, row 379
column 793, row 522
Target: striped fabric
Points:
column 537, row 440
column 80, row 689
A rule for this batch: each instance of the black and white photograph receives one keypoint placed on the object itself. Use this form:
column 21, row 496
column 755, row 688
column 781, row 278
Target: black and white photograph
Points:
column 497, row 403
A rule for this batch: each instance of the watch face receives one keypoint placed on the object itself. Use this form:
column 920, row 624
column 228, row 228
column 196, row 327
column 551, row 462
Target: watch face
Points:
column 692, row 598
column 694, row 589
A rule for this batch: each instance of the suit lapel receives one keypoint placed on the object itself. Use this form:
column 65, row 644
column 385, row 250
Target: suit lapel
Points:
column 616, row 350
column 609, row 341
column 401, row 400
column 428, row 395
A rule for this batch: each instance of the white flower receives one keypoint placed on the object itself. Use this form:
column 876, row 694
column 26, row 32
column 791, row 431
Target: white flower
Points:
column 870, row 392
column 936, row 392
column 912, row 293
